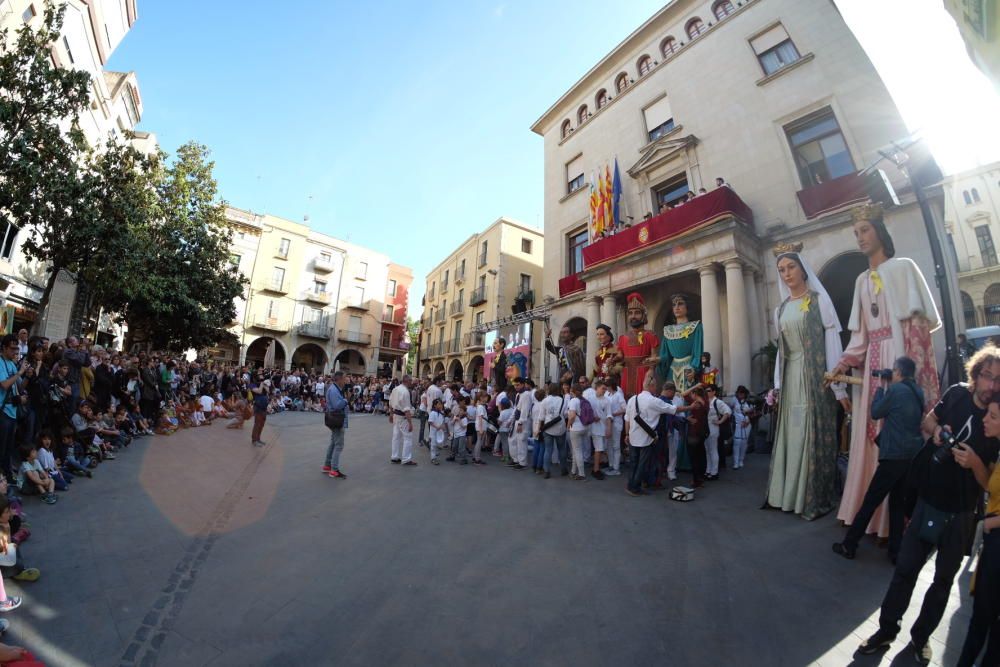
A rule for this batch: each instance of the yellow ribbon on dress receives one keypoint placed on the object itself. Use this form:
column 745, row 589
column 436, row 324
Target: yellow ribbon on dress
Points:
column 639, row 337
column 686, row 332
column 877, row 281
column 804, row 304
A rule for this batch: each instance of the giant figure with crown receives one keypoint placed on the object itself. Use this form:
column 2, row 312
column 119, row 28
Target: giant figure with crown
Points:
column 638, row 347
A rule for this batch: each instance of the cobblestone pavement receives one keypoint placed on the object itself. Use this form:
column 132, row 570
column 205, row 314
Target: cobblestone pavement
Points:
column 198, row 549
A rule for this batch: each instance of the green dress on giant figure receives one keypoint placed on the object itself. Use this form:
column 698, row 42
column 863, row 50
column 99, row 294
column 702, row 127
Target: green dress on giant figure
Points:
column 680, row 348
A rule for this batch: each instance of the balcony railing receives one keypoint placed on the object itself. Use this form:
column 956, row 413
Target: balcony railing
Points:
column 478, row 296
column 459, row 275
column 527, row 296
column 653, row 235
column 391, row 319
column 455, row 346
column 444, row 287
column 456, row 308
column 358, row 305
column 276, row 286
column 317, row 297
column 834, row 195
column 320, row 329
column 430, row 295
column 271, row 324
column 571, row 284
column 435, row 350
column 472, row 341
column 439, row 316
column 348, row 336
column 324, row 264
column 482, row 259
column 396, row 346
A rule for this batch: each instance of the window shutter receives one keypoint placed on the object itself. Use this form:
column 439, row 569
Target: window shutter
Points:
column 658, row 114
column 769, row 39
column 574, row 168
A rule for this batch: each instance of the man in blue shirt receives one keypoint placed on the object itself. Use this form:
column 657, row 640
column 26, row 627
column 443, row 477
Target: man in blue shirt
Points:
column 10, row 382
column 336, row 403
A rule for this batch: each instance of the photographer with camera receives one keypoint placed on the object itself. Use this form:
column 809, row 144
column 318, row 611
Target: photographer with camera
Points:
column 901, row 406
column 948, row 495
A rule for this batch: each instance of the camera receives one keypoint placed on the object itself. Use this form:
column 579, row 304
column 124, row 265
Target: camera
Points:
column 948, row 443
column 882, row 374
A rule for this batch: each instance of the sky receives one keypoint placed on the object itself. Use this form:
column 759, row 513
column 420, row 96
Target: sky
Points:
column 404, row 126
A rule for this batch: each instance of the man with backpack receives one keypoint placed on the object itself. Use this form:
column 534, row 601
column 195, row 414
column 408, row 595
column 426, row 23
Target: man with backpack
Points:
column 642, row 412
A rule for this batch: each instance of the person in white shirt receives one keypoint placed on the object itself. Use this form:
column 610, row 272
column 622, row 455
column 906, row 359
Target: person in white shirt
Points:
column 579, row 433
column 505, row 424
column 550, row 424
column 616, row 398
column 675, row 430
column 431, row 394
column 641, row 416
column 402, row 423
column 718, row 413
column 207, row 407
column 522, row 417
column 600, row 430
column 437, row 428
column 741, row 426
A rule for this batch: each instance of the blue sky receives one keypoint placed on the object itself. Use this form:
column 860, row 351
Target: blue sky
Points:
column 398, row 126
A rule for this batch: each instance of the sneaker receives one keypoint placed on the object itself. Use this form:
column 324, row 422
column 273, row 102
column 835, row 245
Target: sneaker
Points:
column 410, row 463
column 479, row 462
column 259, row 443
column 395, row 460
column 327, row 469
column 435, row 462
column 843, row 549
column 28, row 574
column 109, row 457
column 337, row 474
column 548, row 475
column 518, row 466
column 876, row 642
column 450, row 458
column 634, row 494
column 922, row 655
column 597, row 474
column 510, row 463
column 50, row 499
column 11, row 603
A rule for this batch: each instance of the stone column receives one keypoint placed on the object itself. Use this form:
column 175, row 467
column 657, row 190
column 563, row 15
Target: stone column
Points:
column 711, row 318
column 593, row 304
column 739, row 337
column 609, row 313
column 757, row 315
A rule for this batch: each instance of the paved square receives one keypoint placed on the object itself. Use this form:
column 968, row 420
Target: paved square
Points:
column 197, row 549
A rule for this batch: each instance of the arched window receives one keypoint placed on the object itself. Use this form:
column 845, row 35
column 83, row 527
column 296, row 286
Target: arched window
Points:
column 564, row 132
column 668, row 46
column 722, row 9
column 645, row 65
column 966, row 197
column 621, row 82
column 991, row 304
column 695, row 27
column 601, row 99
column 969, row 311
column 975, row 195
column 581, row 115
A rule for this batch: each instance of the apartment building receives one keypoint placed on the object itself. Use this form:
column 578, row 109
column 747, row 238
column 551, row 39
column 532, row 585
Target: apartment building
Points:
column 491, row 273
column 777, row 98
column 319, row 301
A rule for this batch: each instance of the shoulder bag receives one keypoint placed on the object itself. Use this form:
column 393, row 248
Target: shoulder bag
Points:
column 555, row 420
column 334, row 419
column 641, row 422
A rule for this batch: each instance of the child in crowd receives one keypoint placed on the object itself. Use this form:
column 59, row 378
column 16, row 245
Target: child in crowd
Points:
column 471, row 432
column 459, row 425
column 19, row 532
column 538, row 451
column 11, row 556
column 72, row 455
column 124, row 425
column 194, row 409
column 481, row 401
column 32, row 478
column 438, row 428
column 141, row 423
column 167, row 423
column 504, row 426
column 48, row 461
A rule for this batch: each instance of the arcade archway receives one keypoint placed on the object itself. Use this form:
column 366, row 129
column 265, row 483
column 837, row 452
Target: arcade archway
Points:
column 455, row 371
column 257, row 351
column 838, row 277
column 311, row 357
column 351, row 361
column 475, row 370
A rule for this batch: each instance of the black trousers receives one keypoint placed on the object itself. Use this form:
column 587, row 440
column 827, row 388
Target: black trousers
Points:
column 913, row 555
column 640, row 457
column 985, row 607
column 699, row 458
column 889, row 480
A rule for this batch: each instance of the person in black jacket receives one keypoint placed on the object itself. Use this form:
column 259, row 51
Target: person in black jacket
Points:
column 901, row 406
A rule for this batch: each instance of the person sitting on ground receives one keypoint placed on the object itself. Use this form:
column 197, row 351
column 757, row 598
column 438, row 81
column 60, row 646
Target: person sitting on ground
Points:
column 11, row 555
column 32, row 480
column 47, row 459
column 135, row 416
column 207, row 407
column 167, row 423
column 194, row 409
column 72, row 455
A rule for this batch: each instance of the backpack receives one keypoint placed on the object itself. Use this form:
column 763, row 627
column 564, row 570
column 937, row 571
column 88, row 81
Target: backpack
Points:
column 587, row 415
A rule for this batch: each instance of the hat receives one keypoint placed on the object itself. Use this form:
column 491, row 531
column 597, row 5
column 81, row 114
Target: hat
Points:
column 635, row 300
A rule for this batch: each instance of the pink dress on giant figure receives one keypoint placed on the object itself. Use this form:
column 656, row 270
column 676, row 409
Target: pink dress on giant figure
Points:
column 893, row 315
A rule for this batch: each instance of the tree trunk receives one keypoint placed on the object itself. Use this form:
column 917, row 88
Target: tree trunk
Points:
column 46, row 294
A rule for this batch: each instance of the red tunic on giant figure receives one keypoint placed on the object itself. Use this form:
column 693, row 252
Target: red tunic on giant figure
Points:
column 637, row 347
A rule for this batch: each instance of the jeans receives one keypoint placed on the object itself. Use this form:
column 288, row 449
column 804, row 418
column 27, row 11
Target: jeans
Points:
column 8, row 426
column 423, row 425
column 537, row 453
column 335, row 448
column 913, row 555
column 555, row 443
column 458, row 448
column 76, row 465
column 640, row 466
column 985, row 607
column 504, row 439
column 578, row 440
column 889, row 480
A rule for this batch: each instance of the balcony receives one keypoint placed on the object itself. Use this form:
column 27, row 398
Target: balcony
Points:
column 272, row 324
column 435, row 350
column 478, row 296
column 482, row 259
column 444, row 288
column 317, row 297
column 527, row 296
column 323, row 264
column 571, row 284
column 455, row 346
column 281, row 254
column 457, row 308
column 358, row 305
column 439, row 316
column 392, row 320
column 473, row 341
column 319, row 329
column 430, row 295
column 356, row 337
column 396, row 346
column 721, row 204
column 275, row 286
column 459, row 276
column 832, row 196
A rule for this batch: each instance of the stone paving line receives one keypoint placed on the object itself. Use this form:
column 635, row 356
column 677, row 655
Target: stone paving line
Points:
column 187, row 569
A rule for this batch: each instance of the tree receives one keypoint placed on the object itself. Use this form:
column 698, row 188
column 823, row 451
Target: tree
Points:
column 184, row 295
column 413, row 334
column 42, row 187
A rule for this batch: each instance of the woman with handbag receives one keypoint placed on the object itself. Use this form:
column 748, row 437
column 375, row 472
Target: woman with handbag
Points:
column 985, row 621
